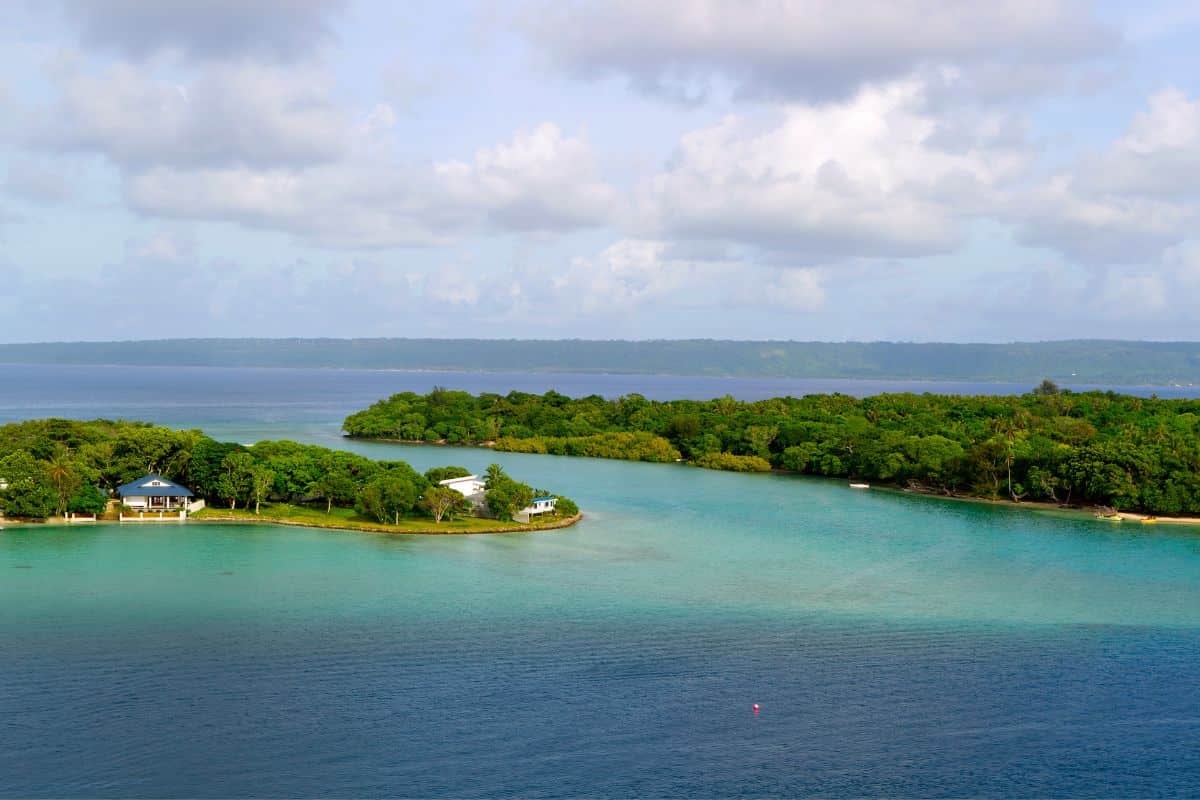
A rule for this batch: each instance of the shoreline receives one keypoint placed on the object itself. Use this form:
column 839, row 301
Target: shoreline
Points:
column 1042, row 507
column 264, row 520
column 1026, row 505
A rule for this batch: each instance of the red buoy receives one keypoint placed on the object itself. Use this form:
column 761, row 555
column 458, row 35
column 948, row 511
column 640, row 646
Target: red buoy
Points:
column 756, row 708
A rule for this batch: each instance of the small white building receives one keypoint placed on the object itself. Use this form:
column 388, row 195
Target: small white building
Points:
column 470, row 487
column 539, row 505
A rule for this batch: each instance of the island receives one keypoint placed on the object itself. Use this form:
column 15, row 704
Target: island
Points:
column 1110, row 453
column 139, row 472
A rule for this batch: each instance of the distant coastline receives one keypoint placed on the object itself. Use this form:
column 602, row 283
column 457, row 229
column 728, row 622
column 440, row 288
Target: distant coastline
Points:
column 1084, row 362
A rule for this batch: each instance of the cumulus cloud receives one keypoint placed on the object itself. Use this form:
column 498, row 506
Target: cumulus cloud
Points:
column 344, row 204
column 1159, row 154
column 273, row 147
column 452, row 286
column 1130, row 201
column 875, row 175
column 632, row 274
column 205, row 29
column 542, row 181
column 239, row 113
column 803, row 48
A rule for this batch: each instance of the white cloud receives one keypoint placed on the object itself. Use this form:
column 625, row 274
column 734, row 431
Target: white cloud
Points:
column 541, row 181
column 803, row 48
column 632, row 274
column 876, row 175
column 1129, row 202
column 350, row 204
column 1159, row 155
column 798, row 290
column 273, row 148
column 452, row 286
column 228, row 114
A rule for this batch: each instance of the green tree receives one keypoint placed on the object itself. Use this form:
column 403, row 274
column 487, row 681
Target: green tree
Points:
column 30, row 492
column 207, row 466
column 387, row 497
column 261, row 481
column 441, row 501
column 505, row 496
column 88, row 499
column 494, row 473
column 236, row 480
column 64, row 474
column 436, row 475
column 334, row 487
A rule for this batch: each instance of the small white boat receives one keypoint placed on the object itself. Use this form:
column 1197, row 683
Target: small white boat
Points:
column 860, row 486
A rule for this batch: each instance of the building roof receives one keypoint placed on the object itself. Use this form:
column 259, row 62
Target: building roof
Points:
column 459, row 480
column 540, row 499
column 143, row 487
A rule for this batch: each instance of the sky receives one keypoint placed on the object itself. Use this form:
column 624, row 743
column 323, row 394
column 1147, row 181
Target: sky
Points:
column 743, row 169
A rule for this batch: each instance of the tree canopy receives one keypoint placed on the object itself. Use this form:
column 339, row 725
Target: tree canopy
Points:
column 1051, row 444
column 53, row 466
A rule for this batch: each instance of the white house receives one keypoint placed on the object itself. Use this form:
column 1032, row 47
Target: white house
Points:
column 470, row 487
column 539, row 505
column 153, row 493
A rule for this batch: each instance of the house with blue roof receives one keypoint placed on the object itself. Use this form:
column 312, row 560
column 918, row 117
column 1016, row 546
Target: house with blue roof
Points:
column 154, row 493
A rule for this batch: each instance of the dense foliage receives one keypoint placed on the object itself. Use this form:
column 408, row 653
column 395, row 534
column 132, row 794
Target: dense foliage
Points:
column 1058, row 446
column 54, row 466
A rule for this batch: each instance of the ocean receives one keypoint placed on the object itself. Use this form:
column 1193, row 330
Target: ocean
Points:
column 896, row 645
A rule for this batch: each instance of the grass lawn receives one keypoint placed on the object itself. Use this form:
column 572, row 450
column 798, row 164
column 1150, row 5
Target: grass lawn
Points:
column 349, row 519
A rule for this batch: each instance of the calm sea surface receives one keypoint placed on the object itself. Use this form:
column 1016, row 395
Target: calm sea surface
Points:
column 897, row 645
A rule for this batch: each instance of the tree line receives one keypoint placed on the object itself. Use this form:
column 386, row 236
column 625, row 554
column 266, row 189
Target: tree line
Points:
column 54, row 466
column 1072, row 448
column 1082, row 361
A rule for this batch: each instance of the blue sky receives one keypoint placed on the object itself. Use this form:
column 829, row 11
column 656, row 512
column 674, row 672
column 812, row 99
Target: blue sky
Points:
column 914, row 170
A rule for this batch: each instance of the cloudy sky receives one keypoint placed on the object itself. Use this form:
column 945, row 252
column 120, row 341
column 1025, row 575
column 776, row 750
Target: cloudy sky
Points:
column 786, row 169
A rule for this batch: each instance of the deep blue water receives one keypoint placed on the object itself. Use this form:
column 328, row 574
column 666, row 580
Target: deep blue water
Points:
column 898, row 645
column 196, row 395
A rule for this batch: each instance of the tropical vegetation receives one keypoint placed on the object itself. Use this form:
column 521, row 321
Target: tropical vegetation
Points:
column 55, row 466
column 1098, row 448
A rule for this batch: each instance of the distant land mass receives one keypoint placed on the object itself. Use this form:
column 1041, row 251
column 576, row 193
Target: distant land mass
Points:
column 1074, row 361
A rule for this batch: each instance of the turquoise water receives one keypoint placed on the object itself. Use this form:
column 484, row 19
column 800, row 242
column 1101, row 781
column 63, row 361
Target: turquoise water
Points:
column 898, row 645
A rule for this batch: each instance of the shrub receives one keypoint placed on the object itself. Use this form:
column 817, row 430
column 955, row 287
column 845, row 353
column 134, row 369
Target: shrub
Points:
column 732, row 463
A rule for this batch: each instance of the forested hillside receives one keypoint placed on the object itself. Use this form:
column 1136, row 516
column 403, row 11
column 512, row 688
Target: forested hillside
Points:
column 1075, row 362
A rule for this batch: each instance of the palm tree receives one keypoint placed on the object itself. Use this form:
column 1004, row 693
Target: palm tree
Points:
column 62, row 473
